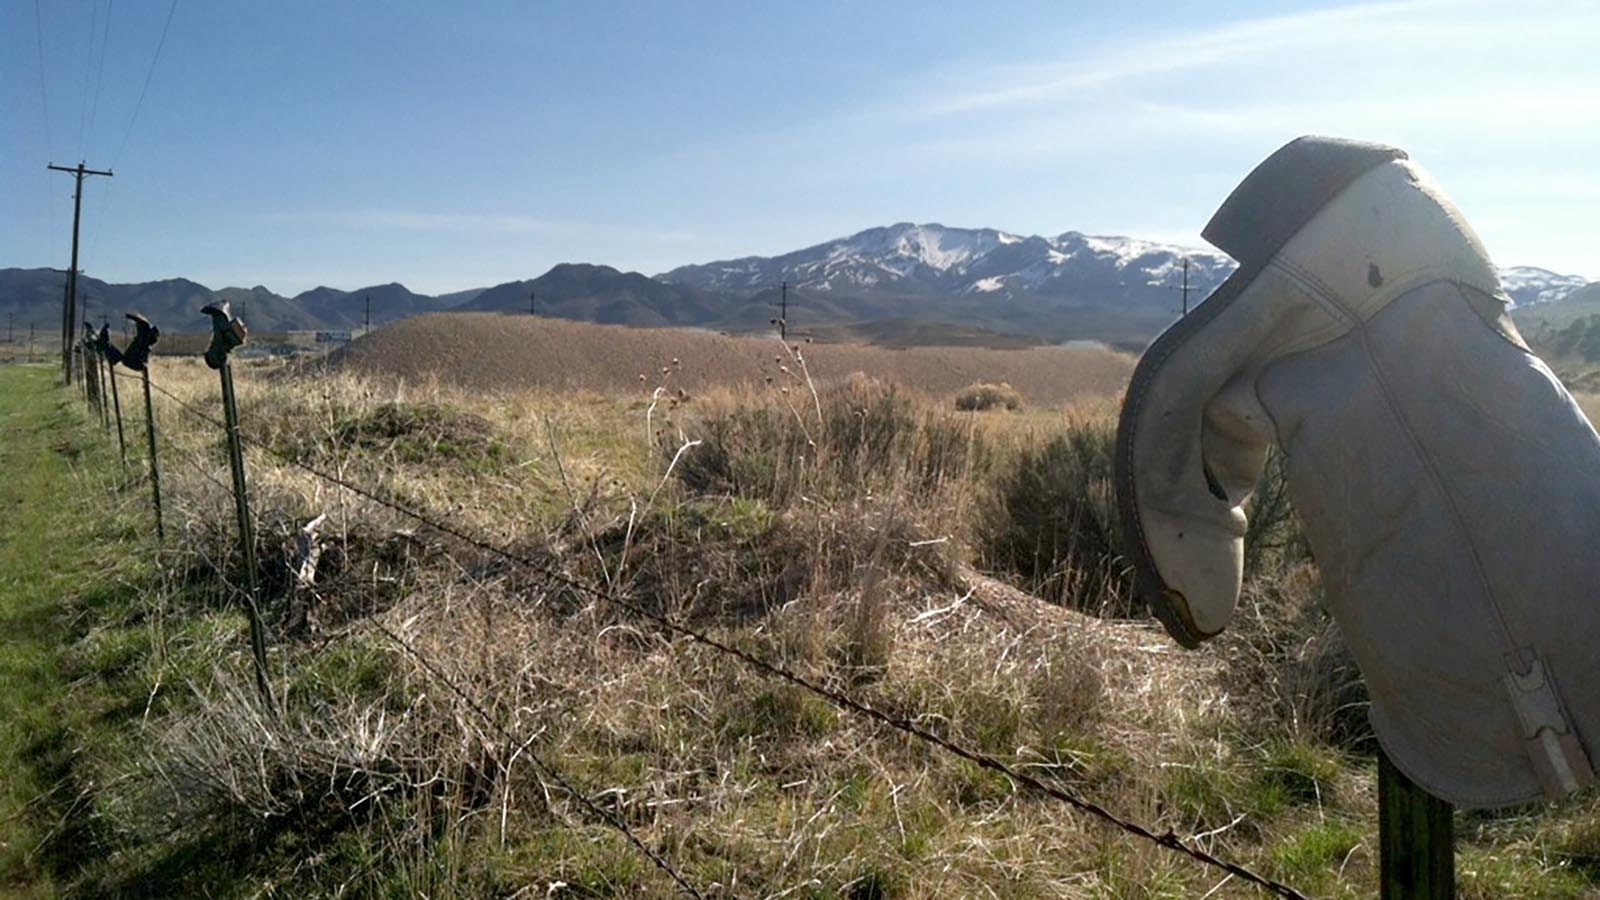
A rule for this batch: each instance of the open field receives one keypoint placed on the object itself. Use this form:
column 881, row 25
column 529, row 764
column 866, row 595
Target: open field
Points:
column 21, row 351
column 487, row 351
column 957, row 569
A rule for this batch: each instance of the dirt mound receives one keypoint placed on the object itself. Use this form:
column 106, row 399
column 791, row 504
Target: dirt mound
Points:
column 487, row 351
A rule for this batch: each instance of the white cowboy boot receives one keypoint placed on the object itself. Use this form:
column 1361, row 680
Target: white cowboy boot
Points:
column 1448, row 485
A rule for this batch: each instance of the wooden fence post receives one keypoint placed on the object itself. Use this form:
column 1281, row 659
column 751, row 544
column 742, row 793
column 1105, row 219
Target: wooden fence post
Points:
column 79, row 364
column 1416, row 839
column 116, row 406
column 150, row 443
column 136, row 356
column 92, row 358
column 92, row 376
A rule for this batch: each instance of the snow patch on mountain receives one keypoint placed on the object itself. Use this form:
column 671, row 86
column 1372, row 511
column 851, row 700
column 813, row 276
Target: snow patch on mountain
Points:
column 1527, row 284
column 906, row 259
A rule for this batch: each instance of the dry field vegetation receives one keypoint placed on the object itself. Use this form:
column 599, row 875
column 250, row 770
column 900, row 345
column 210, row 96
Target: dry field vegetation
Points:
column 489, row 351
column 958, row 568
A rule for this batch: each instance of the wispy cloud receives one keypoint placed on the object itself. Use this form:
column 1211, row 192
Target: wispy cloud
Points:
column 1350, row 37
column 1422, row 71
column 1228, row 43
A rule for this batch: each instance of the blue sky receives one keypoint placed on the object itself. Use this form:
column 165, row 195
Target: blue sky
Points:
column 456, row 145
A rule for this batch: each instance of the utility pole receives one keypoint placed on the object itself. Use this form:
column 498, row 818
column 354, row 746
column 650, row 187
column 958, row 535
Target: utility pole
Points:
column 1185, row 289
column 533, row 303
column 368, row 329
column 69, row 315
column 11, row 316
column 783, row 311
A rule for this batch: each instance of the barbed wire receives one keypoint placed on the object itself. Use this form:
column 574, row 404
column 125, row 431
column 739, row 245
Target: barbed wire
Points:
column 546, row 769
column 1167, row 839
column 549, row 771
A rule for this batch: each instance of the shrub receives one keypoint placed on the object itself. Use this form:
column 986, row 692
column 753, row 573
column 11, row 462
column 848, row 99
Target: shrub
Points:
column 983, row 395
column 856, row 438
column 1273, row 540
column 1051, row 523
column 423, row 433
column 1289, row 665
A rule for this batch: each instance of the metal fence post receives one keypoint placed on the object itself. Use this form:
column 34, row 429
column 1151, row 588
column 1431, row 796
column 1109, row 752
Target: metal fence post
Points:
column 227, row 333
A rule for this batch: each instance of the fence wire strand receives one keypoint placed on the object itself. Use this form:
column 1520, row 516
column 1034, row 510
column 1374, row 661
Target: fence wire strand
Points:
column 546, row 769
column 1167, row 839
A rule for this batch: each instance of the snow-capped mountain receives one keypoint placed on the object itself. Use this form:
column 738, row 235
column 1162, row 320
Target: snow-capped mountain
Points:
column 1069, row 286
column 914, row 259
column 1527, row 285
column 908, row 259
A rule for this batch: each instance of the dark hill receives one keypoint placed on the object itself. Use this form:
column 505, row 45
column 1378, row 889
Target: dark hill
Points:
column 601, row 294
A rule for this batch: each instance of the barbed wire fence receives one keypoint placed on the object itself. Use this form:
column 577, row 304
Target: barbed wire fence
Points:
column 609, row 595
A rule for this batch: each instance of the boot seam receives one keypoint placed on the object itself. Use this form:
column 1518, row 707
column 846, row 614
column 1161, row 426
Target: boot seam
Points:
column 1381, row 378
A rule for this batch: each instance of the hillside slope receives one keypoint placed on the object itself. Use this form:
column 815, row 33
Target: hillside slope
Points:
column 491, row 352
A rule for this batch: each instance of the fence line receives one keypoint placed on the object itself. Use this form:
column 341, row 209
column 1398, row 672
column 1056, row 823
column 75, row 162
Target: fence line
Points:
column 1167, row 839
column 548, row 770
column 610, row 818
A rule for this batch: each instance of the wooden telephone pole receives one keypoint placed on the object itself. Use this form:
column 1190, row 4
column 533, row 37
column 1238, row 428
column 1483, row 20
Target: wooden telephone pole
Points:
column 783, row 311
column 368, row 328
column 69, row 314
column 1185, row 288
column 533, row 309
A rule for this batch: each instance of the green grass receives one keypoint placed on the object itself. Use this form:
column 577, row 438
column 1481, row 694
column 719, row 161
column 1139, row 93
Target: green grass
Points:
column 56, row 542
column 110, row 785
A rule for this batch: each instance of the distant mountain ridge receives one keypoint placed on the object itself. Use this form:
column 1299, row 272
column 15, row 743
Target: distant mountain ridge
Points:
column 33, row 297
column 972, row 281
column 913, row 258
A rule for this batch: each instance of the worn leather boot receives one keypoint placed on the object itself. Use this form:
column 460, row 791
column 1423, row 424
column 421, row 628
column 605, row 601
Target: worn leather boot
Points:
column 226, row 333
column 103, row 344
column 136, row 355
column 1447, row 483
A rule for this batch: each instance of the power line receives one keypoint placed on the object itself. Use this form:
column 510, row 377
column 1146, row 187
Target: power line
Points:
column 44, row 104
column 69, row 309
column 105, row 197
column 906, row 725
column 1185, row 288
column 99, row 74
column 44, row 91
column 139, row 104
column 88, row 66
column 99, row 221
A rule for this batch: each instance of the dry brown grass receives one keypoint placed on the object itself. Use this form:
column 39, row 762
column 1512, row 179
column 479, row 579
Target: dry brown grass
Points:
column 845, row 550
column 483, row 351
